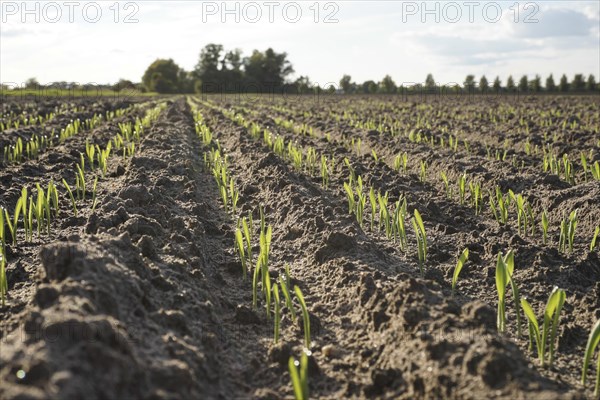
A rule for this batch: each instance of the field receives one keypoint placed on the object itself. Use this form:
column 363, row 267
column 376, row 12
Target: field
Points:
column 195, row 247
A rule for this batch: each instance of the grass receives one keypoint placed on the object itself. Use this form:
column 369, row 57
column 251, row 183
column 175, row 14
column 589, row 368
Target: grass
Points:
column 549, row 327
column 592, row 343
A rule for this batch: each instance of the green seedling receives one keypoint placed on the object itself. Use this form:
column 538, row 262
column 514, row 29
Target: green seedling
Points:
column 567, row 232
column 504, row 272
column 545, row 226
column 475, row 189
column 305, row 317
column 421, row 237
column 446, row 185
column 3, row 280
column 373, row 201
column 277, row 313
column 70, row 192
column 239, row 241
column 94, row 198
column 324, row 171
column 286, row 294
column 398, row 224
column 459, row 266
column 350, row 196
column 594, row 238
column 592, row 343
column 299, row 377
column 549, row 327
column 423, row 172
column 80, row 183
column 462, row 187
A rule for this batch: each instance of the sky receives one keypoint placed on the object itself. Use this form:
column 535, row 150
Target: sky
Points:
column 103, row 41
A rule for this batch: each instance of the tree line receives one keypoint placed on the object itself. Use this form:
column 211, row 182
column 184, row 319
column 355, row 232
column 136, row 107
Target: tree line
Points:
column 218, row 70
column 578, row 84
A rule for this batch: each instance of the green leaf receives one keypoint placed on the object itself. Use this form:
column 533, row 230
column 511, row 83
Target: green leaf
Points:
column 459, row 265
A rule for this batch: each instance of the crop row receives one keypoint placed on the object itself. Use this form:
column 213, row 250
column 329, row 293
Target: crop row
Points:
column 465, row 188
column 272, row 293
column 35, row 210
column 30, row 149
column 499, row 204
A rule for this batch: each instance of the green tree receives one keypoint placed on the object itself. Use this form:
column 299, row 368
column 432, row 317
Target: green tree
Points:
column 578, row 83
column 303, row 84
column 123, row 84
column 497, row 86
column 510, row 83
column 430, row 83
column 267, row 70
column 591, row 83
column 346, row 83
column 388, row 85
column 563, row 85
column 32, row 83
column 536, row 84
column 208, row 68
column 523, row 83
column 483, row 84
column 162, row 76
column 369, row 87
column 550, row 85
column 469, row 83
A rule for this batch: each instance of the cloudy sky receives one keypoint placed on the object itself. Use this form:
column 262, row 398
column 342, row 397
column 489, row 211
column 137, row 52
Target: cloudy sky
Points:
column 104, row 41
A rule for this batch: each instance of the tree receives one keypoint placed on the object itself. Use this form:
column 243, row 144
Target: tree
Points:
column 550, row 85
column 536, row 84
column 187, row 83
column 162, row 76
column 591, row 83
column 469, row 83
column 208, row 68
column 267, row 70
column 123, row 84
column 523, row 83
column 497, row 85
column 346, row 83
column 388, row 85
column 303, row 84
column 430, row 83
column 483, row 84
column 510, row 83
column 32, row 83
column 231, row 72
column 369, row 87
column 578, row 83
column 563, row 85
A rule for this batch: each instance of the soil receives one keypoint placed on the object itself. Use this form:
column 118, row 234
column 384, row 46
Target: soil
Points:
column 144, row 298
